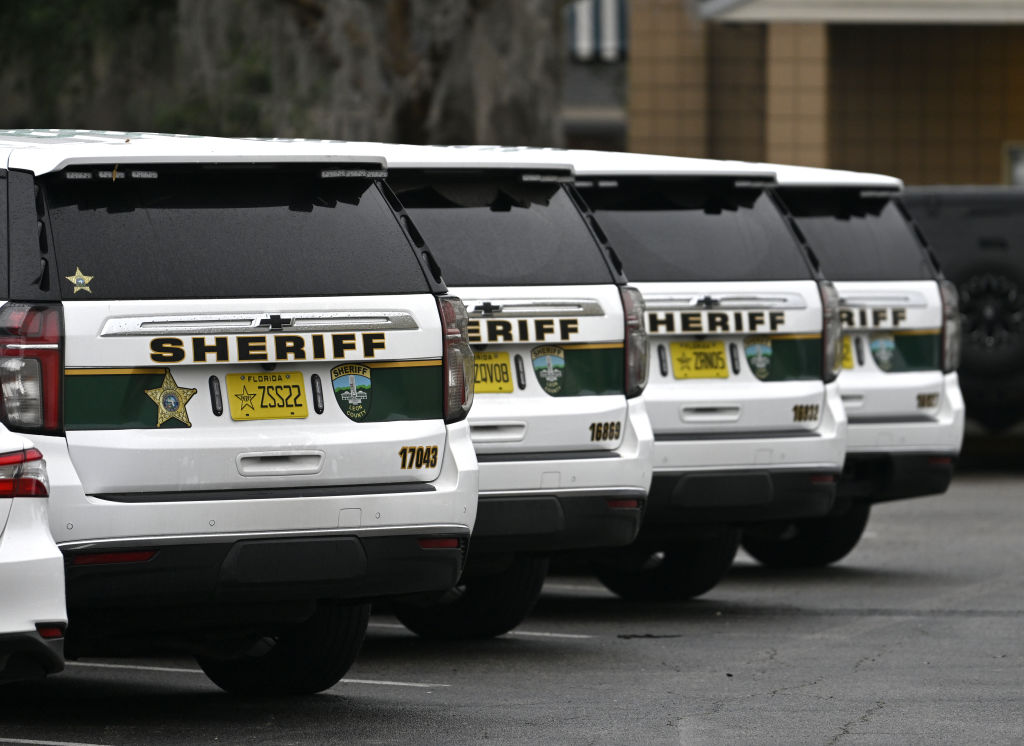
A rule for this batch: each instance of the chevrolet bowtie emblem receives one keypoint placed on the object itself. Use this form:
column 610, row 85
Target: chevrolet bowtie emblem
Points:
column 275, row 322
column 486, row 308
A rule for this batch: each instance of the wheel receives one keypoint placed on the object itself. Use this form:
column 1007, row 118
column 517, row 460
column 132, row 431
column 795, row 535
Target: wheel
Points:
column 307, row 658
column 682, row 569
column 479, row 607
column 811, row 543
column 992, row 312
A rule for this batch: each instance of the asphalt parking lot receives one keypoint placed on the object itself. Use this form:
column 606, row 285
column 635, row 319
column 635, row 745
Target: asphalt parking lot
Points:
column 917, row 637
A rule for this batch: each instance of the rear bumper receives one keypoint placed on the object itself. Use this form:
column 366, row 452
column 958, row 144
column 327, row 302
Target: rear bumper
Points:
column 254, row 569
column 737, row 497
column 26, row 655
column 566, row 501
column 880, row 477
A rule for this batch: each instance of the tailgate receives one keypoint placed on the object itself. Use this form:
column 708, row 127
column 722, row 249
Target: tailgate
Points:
column 734, row 358
column 892, row 346
column 549, row 368
column 241, row 394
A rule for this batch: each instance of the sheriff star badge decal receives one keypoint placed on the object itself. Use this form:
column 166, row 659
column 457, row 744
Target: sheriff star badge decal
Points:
column 170, row 400
column 80, row 281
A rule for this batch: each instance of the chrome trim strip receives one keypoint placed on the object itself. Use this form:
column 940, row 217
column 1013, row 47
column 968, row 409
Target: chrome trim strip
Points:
column 522, row 308
column 732, row 301
column 866, row 299
column 234, row 323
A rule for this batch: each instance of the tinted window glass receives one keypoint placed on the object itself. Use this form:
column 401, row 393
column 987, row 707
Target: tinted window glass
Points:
column 494, row 229
column 228, row 233
column 696, row 230
column 858, row 238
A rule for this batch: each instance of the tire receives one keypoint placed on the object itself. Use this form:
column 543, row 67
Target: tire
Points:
column 479, row 607
column 678, row 571
column 307, row 658
column 812, row 543
column 992, row 313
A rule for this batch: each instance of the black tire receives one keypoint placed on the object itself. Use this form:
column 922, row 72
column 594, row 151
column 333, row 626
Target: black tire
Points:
column 992, row 313
column 811, row 543
column 682, row 569
column 308, row 658
column 479, row 607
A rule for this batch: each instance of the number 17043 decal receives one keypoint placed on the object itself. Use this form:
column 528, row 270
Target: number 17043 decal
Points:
column 418, row 457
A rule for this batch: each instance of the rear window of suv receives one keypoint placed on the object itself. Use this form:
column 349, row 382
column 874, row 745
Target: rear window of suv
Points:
column 858, row 237
column 696, row 230
column 495, row 229
column 226, row 232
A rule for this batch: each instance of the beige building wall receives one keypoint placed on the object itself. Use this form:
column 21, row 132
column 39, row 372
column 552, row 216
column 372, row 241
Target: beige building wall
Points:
column 796, row 94
column 931, row 104
column 667, row 96
column 736, row 91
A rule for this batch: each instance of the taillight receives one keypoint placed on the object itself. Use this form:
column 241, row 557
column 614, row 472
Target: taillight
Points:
column 458, row 359
column 23, row 474
column 635, row 342
column 950, row 326
column 30, row 367
column 831, row 331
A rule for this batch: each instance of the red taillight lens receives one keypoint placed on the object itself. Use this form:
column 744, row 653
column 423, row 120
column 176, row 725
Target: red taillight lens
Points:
column 831, row 332
column 439, row 543
column 635, row 341
column 458, row 359
column 114, row 558
column 52, row 631
column 23, row 474
column 30, row 367
column 951, row 332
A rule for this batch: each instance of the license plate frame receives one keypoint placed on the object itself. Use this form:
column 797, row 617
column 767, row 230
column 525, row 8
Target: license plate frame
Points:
column 685, row 359
column 269, row 395
column 496, row 365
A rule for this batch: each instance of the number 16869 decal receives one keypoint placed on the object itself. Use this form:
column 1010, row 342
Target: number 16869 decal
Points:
column 418, row 457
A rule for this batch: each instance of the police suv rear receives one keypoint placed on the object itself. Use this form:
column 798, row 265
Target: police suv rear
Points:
column 561, row 434
column 249, row 386
column 748, row 425
column 901, row 347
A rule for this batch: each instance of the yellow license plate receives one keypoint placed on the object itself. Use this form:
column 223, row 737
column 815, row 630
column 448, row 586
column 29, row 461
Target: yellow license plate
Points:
column 705, row 359
column 277, row 395
column 493, row 373
column 847, row 352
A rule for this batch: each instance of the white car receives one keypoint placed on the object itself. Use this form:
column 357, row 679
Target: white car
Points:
column 901, row 348
column 33, row 619
column 250, row 387
column 560, row 430
column 748, row 425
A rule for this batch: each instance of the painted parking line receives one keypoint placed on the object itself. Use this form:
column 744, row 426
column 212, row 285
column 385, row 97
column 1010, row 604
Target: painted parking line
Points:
column 47, row 743
column 169, row 669
column 513, row 633
column 574, row 587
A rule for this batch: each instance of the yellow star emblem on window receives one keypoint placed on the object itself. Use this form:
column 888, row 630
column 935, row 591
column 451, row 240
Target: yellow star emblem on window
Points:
column 170, row 400
column 80, row 281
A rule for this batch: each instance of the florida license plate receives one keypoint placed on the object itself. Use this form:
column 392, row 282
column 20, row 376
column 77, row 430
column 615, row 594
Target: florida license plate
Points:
column 493, row 373
column 278, row 395
column 699, row 359
column 847, row 353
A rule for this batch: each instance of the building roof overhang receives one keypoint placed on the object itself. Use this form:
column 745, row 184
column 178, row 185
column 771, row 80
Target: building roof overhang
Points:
column 978, row 12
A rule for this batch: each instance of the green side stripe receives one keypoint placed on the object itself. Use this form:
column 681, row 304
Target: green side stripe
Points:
column 401, row 394
column 592, row 372
column 795, row 359
column 917, row 352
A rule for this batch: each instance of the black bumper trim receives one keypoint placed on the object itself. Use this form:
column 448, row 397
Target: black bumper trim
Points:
column 881, row 477
column 748, row 435
column 549, row 523
column 490, row 458
column 26, row 655
column 737, row 497
column 265, row 494
column 247, row 571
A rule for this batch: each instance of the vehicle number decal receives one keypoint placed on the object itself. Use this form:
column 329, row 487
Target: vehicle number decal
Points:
column 805, row 412
column 418, row 457
column 605, row 430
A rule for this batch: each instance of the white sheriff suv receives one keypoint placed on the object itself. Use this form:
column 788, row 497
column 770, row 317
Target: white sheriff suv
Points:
column 901, row 347
column 744, row 335
column 32, row 614
column 560, row 430
column 249, row 385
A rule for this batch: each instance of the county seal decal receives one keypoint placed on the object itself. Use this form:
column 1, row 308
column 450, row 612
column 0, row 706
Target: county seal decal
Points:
column 549, row 365
column 170, row 400
column 883, row 349
column 759, row 355
column 353, row 390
